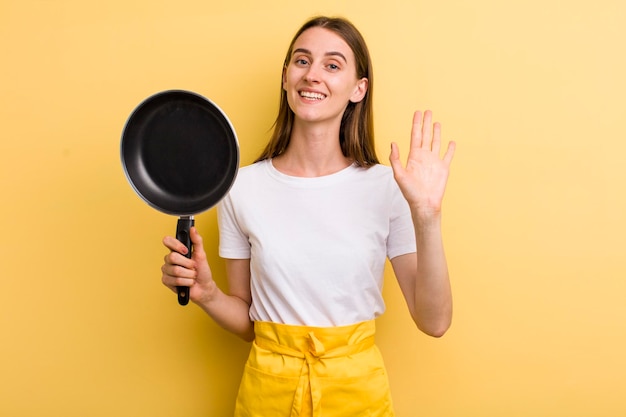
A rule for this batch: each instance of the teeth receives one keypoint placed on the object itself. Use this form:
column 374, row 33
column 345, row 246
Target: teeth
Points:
column 314, row 96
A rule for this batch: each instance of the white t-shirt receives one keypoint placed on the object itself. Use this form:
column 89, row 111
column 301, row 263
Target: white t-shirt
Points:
column 317, row 246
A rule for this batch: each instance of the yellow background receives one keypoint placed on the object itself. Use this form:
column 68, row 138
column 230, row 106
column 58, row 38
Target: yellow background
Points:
column 533, row 92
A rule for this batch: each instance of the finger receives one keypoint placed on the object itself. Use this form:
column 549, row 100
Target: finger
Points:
column 172, row 282
column 447, row 158
column 427, row 130
column 177, row 276
column 167, row 280
column 416, row 131
column 175, row 245
column 177, row 271
column 394, row 158
column 176, row 259
column 436, row 146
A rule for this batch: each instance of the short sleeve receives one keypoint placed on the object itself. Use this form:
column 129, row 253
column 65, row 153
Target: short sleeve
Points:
column 233, row 242
column 401, row 238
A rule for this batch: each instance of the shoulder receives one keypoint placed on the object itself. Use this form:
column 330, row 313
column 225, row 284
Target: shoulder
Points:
column 380, row 177
column 250, row 173
column 376, row 173
column 379, row 170
column 251, row 181
column 253, row 168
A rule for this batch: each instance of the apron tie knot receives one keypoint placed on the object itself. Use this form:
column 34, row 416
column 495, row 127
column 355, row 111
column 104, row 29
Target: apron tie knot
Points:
column 316, row 348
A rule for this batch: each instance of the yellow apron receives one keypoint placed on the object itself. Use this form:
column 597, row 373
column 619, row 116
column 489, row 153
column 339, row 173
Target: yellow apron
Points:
column 300, row 371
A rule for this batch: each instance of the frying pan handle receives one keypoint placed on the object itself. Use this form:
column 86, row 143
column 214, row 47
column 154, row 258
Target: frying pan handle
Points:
column 182, row 233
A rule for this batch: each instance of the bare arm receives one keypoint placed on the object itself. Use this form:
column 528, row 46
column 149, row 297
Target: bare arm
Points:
column 230, row 310
column 423, row 279
column 423, row 276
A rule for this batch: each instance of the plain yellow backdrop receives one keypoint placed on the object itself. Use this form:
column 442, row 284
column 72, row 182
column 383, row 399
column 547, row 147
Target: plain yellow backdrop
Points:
column 533, row 93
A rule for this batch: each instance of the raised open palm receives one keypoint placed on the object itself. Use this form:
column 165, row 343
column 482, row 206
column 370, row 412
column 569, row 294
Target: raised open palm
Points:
column 423, row 180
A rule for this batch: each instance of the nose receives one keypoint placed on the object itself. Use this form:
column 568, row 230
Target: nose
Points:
column 312, row 75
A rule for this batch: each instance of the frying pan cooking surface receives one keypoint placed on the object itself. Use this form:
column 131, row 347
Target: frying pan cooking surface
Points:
column 180, row 152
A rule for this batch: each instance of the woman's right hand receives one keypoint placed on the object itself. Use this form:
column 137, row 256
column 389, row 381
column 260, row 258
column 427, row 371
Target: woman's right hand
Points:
column 194, row 272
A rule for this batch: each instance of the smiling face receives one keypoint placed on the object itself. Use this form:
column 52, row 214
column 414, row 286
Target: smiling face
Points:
column 320, row 78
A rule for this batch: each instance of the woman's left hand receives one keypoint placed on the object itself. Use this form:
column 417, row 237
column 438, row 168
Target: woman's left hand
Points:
column 423, row 180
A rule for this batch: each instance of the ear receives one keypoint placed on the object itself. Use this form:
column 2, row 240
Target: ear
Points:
column 284, row 76
column 360, row 90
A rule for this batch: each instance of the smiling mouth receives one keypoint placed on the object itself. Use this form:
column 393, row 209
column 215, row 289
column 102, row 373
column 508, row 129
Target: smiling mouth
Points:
column 312, row 96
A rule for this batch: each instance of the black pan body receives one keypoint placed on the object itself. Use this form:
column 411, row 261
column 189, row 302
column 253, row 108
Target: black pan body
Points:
column 180, row 152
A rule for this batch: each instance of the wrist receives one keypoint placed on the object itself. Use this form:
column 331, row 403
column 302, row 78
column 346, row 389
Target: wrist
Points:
column 425, row 215
column 209, row 294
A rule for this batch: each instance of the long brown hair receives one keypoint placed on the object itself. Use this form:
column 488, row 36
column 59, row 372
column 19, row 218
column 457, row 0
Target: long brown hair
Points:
column 356, row 134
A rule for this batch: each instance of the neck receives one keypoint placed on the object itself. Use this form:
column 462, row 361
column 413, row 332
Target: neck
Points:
column 312, row 152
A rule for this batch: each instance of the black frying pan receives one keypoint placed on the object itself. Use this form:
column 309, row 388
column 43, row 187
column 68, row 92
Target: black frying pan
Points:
column 180, row 154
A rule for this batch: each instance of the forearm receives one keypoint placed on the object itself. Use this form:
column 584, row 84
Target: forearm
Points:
column 230, row 312
column 433, row 295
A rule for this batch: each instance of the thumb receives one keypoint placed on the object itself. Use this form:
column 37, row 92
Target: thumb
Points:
column 202, row 267
column 196, row 240
column 394, row 158
column 447, row 157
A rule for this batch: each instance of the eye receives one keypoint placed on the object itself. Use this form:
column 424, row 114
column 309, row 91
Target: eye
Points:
column 301, row 62
column 334, row 65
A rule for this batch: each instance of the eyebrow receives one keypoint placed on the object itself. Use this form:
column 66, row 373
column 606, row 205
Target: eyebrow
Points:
column 331, row 53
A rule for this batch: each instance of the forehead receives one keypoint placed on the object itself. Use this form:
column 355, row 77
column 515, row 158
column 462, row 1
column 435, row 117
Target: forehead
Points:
column 321, row 40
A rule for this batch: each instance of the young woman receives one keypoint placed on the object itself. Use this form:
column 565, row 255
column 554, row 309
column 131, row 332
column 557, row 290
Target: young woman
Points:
column 306, row 230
